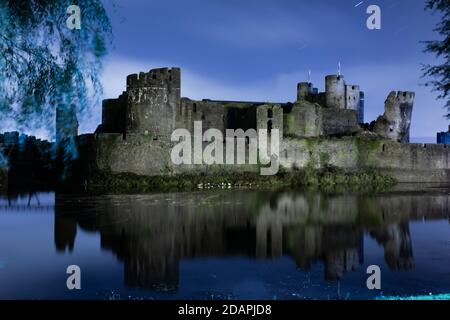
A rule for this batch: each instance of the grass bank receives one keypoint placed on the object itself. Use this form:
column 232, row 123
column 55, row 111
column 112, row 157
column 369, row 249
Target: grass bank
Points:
column 325, row 179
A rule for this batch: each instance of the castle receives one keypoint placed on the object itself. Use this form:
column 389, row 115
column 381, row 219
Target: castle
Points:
column 320, row 129
column 152, row 106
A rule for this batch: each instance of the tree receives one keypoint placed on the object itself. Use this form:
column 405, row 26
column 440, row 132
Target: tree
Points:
column 44, row 63
column 440, row 73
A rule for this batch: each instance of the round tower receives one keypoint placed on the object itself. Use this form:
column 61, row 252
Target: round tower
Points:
column 335, row 91
column 304, row 89
column 153, row 99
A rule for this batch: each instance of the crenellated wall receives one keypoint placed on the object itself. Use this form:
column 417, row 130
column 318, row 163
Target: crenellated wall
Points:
column 337, row 96
column 305, row 90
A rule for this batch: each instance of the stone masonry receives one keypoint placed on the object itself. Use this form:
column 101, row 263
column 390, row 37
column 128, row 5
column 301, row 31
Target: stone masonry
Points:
column 319, row 129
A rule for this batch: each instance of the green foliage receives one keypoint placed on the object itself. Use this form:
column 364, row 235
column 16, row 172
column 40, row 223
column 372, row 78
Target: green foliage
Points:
column 328, row 179
column 440, row 73
column 132, row 183
column 311, row 143
column 324, row 159
column 44, row 64
column 367, row 144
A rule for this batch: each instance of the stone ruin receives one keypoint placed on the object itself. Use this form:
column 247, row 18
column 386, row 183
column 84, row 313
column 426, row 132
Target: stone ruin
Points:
column 152, row 106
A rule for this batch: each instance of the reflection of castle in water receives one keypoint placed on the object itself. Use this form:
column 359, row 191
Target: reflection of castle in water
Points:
column 152, row 233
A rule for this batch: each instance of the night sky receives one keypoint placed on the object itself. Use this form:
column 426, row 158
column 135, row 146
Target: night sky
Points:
column 259, row 49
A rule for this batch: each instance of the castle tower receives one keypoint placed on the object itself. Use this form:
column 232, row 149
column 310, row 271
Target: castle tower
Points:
column 394, row 124
column 153, row 99
column 352, row 97
column 114, row 114
column 304, row 89
column 335, row 91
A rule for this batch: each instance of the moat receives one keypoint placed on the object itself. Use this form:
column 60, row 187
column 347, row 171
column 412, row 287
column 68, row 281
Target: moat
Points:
column 226, row 244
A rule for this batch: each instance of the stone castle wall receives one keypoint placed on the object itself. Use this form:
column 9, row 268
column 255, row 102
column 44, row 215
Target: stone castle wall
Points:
column 311, row 120
column 319, row 129
column 152, row 106
column 114, row 114
column 405, row 162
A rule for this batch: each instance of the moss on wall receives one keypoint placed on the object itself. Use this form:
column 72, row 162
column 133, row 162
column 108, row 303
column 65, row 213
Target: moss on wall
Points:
column 405, row 162
column 367, row 150
column 289, row 123
column 324, row 159
column 312, row 143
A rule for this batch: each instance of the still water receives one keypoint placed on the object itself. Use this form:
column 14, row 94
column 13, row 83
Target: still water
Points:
column 231, row 244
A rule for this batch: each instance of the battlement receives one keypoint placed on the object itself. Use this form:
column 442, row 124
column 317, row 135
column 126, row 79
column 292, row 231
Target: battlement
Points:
column 334, row 78
column 401, row 97
column 155, row 78
column 153, row 99
column 9, row 138
column 337, row 95
column 304, row 89
column 152, row 105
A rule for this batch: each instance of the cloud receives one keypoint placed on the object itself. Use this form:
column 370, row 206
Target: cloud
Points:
column 252, row 23
column 260, row 34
